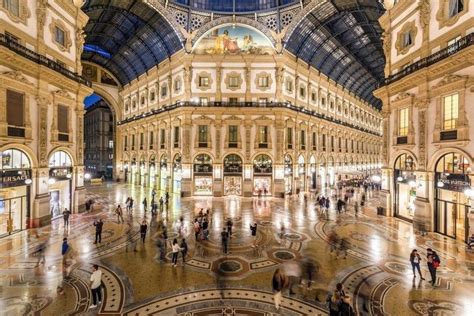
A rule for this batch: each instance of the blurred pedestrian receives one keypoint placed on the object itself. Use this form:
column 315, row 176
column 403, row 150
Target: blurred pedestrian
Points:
column 224, row 240
column 143, row 230
column 118, row 212
column 278, row 283
column 184, row 249
column 66, row 214
column 253, row 230
column 292, row 271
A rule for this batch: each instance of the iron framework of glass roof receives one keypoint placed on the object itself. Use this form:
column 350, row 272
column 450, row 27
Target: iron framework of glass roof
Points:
column 127, row 37
column 342, row 39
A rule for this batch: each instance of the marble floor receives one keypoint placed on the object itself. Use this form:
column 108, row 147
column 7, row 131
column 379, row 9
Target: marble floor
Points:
column 376, row 272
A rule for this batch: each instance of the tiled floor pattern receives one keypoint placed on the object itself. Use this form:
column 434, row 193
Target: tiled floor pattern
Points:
column 376, row 272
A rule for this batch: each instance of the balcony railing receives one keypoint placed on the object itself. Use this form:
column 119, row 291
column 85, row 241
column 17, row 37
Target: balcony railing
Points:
column 452, row 49
column 270, row 105
column 42, row 60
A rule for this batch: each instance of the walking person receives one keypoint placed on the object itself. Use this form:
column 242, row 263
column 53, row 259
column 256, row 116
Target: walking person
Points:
column 175, row 251
column 278, row 283
column 224, row 240
column 96, row 282
column 161, row 244
column 118, row 212
column 66, row 214
column 184, row 249
column 205, row 229
column 253, row 230
column 40, row 254
column 197, row 228
column 356, row 208
column 415, row 260
column 433, row 262
column 98, row 231
column 143, row 230
column 145, row 204
column 229, row 226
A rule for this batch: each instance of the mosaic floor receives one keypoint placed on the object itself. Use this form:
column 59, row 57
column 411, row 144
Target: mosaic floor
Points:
column 376, row 271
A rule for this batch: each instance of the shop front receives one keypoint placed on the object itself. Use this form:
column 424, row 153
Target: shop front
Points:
column 152, row 171
column 177, row 174
column 143, row 175
column 288, row 169
column 14, row 191
column 404, row 183
column 202, row 172
column 134, row 175
column 301, row 174
column 60, row 183
column 312, row 174
column 125, row 171
column 164, row 173
column 262, row 175
column 452, row 182
column 233, row 175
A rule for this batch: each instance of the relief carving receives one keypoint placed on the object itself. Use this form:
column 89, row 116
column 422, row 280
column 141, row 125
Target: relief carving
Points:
column 422, row 140
column 425, row 11
column 18, row 76
column 278, row 37
column 43, row 131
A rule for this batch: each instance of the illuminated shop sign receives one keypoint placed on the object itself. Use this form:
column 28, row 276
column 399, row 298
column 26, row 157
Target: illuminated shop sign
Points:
column 60, row 173
column 13, row 178
column 454, row 182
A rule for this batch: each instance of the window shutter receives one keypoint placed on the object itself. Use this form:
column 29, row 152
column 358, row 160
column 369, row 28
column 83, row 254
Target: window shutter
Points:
column 15, row 108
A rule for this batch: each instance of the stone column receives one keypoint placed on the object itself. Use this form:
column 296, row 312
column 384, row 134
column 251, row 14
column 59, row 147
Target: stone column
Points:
column 248, row 83
column 218, row 83
column 186, row 143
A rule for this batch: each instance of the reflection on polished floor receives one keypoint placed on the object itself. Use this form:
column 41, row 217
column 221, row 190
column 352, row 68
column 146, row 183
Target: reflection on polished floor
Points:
column 376, row 272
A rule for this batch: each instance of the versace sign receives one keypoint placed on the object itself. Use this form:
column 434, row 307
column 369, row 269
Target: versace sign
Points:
column 14, row 178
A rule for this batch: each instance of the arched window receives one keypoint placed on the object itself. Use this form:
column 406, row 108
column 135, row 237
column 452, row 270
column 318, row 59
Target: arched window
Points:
column 15, row 159
column 177, row 163
column 232, row 164
column 203, row 164
column 60, row 159
column 452, row 163
column 405, row 162
column 262, row 164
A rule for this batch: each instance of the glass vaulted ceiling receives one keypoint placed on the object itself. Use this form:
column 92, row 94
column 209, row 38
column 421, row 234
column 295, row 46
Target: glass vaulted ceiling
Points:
column 127, row 37
column 234, row 5
column 341, row 38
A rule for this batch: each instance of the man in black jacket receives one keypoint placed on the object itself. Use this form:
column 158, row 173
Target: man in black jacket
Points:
column 98, row 231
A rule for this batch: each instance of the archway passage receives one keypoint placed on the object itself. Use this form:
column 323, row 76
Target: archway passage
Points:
column 404, row 183
column 99, row 137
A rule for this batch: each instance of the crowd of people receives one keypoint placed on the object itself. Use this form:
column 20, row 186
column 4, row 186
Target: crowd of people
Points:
column 288, row 276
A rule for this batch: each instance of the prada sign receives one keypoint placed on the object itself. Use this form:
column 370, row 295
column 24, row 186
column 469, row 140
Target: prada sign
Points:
column 454, row 182
column 14, row 178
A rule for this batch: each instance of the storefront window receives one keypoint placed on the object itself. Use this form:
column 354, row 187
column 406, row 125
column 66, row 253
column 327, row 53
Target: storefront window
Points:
column 232, row 164
column 405, row 187
column 60, row 183
column 451, row 203
column 14, row 191
column 262, row 164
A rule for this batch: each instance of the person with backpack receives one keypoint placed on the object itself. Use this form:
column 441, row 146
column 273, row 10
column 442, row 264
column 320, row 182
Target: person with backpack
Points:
column 415, row 260
column 339, row 302
column 433, row 262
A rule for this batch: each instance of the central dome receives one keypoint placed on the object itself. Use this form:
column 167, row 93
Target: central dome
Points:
column 234, row 5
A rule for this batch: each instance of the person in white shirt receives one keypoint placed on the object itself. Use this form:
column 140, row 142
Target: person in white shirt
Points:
column 96, row 281
column 176, row 249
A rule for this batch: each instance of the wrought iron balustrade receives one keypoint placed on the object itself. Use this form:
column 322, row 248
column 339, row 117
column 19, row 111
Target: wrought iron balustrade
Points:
column 452, row 49
column 269, row 105
column 42, row 60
